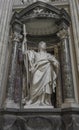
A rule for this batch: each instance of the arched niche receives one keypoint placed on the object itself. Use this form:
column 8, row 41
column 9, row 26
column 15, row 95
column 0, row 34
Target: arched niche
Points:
column 43, row 22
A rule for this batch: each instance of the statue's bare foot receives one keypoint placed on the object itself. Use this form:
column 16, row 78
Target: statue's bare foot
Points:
column 29, row 102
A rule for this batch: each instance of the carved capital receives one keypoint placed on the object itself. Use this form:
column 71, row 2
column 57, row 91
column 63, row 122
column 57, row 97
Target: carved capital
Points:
column 63, row 34
column 17, row 37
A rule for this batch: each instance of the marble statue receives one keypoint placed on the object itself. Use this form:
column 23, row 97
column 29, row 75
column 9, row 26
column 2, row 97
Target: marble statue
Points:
column 43, row 68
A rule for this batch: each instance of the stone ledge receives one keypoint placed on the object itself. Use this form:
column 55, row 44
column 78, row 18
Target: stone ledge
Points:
column 33, row 111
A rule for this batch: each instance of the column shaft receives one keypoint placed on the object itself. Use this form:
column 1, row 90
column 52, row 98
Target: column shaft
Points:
column 9, row 102
column 67, row 78
column 14, row 84
column 75, row 23
column 12, row 75
column 5, row 16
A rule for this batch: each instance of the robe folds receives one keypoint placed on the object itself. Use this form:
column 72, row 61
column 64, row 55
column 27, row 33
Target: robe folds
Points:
column 43, row 68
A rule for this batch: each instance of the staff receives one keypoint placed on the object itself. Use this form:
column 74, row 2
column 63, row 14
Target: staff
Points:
column 24, row 49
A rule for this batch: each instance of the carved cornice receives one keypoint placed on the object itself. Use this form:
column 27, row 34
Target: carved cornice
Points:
column 41, row 19
column 22, row 3
column 47, row 6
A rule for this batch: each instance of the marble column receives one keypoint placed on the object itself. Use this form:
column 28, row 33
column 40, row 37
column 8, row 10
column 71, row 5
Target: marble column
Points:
column 11, row 85
column 10, row 103
column 5, row 17
column 58, row 88
column 74, row 10
column 66, row 68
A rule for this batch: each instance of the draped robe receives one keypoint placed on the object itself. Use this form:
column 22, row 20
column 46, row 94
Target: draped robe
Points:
column 43, row 67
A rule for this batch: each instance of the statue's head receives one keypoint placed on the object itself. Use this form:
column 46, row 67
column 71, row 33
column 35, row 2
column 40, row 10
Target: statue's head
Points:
column 42, row 45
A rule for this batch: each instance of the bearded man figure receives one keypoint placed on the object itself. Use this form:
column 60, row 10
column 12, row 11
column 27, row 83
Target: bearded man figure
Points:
column 44, row 70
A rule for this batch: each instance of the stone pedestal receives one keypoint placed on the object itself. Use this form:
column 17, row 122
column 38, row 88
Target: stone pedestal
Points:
column 40, row 119
column 33, row 119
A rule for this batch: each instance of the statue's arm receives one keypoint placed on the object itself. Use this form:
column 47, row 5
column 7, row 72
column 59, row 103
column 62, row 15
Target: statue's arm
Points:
column 31, row 57
column 23, row 48
column 54, row 61
column 30, row 54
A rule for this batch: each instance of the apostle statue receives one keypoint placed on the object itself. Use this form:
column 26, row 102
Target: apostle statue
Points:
column 43, row 68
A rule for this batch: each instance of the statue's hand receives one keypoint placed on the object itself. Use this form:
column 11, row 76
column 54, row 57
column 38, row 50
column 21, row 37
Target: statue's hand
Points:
column 51, row 61
column 54, row 61
column 56, row 64
column 32, row 69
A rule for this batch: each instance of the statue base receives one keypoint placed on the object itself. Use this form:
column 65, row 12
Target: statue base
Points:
column 38, row 107
column 40, row 119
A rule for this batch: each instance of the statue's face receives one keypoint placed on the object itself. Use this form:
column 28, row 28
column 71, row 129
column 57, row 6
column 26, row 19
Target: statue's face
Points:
column 42, row 46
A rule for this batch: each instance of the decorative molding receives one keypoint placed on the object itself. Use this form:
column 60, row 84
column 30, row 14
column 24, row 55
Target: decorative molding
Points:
column 32, row 123
column 71, row 122
column 41, row 12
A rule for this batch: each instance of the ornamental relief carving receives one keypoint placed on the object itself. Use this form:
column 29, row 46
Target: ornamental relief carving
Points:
column 32, row 123
column 71, row 122
column 40, row 12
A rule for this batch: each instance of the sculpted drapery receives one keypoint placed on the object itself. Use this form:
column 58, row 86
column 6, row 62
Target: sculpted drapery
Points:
column 43, row 73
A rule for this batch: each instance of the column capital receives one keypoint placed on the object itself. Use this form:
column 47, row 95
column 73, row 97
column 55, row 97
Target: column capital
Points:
column 17, row 37
column 63, row 34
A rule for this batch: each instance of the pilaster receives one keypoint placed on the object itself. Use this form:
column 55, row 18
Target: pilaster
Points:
column 5, row 17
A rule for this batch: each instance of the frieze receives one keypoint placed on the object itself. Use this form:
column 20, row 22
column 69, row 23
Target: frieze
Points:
column 40, row 12
column 32, row 123
column 70, row 122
